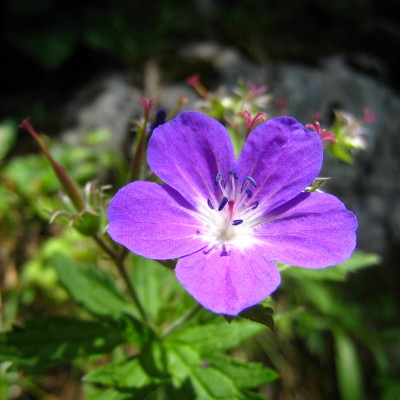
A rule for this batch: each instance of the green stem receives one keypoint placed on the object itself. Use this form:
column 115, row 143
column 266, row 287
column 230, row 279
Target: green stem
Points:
column 124, row 274
column 139, row 153
column 181, row 321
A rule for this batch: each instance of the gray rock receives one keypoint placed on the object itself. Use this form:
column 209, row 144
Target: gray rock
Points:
column 370, row 188
column 109, row 102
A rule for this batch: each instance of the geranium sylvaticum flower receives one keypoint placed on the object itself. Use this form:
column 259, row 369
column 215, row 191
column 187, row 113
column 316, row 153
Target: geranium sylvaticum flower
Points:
column 229, row 220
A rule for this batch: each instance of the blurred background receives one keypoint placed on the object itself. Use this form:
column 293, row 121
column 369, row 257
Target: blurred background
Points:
column 78, row 68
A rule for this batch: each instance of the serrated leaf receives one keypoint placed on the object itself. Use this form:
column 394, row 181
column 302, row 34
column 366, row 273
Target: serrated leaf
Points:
column 127, row 374
column 91, row 287
column 216, row 336
column 210, row 380
column 246, row 375
column 43, row 344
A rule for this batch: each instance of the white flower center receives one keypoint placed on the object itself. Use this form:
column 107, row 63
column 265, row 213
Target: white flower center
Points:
column 233, row 220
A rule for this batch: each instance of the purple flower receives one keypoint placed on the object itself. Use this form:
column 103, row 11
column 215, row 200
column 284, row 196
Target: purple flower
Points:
column 228, row 220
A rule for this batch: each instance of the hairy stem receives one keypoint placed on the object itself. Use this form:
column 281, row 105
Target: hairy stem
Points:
column 181, row 321
column 124, row 274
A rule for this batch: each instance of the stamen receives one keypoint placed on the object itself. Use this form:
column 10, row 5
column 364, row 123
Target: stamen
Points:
column 255, row 205
column 223, row 203
column 218, row 177
column 233, row 173
column 248, row 192
column 223, row 183
column 251, row 180
column 237, row 222
column 247, row 179
column 210, row 204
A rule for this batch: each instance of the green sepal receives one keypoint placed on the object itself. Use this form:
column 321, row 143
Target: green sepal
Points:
column 87, row 223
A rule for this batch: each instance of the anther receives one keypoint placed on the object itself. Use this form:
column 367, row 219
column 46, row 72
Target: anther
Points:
column 237, row 222
column 223, row 203
column 255, row 205
column 218, row 177
column 210, row 204
column 251, row 180
column 233, row 173
column 248, row 192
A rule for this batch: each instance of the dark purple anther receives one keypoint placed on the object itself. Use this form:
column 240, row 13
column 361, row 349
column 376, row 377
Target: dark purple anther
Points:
column 233, row 173
column 210, row 204
column 237, row 222
column 223, row 204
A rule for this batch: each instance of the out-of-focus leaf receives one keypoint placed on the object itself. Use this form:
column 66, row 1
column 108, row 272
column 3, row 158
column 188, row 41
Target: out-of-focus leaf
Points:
column 357, row 261
column 50, row 48
column 91, row 287
column 159, row 289
column 217, row 336
column 43, row 344
column 8, row 135
column 110, row 394
column 348, row 368
column 341, row 153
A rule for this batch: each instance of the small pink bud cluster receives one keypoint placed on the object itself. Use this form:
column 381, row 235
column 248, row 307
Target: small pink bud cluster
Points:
column 323, row 133
column 251, row 122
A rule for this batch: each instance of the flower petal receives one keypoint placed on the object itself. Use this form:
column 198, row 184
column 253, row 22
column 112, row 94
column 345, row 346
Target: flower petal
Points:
column 283, row 158
column 228, row 283
column 314, row 230
column 153, row 221
column 188, row 152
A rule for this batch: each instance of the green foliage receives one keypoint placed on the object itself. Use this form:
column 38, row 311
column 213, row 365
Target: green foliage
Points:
column 348, row 367
column 92, row 288
column 131, row 330
column 358, row 260
column 41, row 344
column 8, row 135
column 216, row 336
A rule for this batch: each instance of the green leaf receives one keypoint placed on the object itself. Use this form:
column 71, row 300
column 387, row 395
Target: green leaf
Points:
column 127, row 374
column 216, row 379
column 358, row 260
column 260, row 314
column 348, row 368
column 8, row 134
column 158, row 288
column 91, row 287
column 109, row 394
column 246, row 375
column 43, row 344
column 216, row 336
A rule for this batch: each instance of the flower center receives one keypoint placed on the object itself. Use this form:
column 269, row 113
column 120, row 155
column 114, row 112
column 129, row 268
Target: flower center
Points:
column 231, row 221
